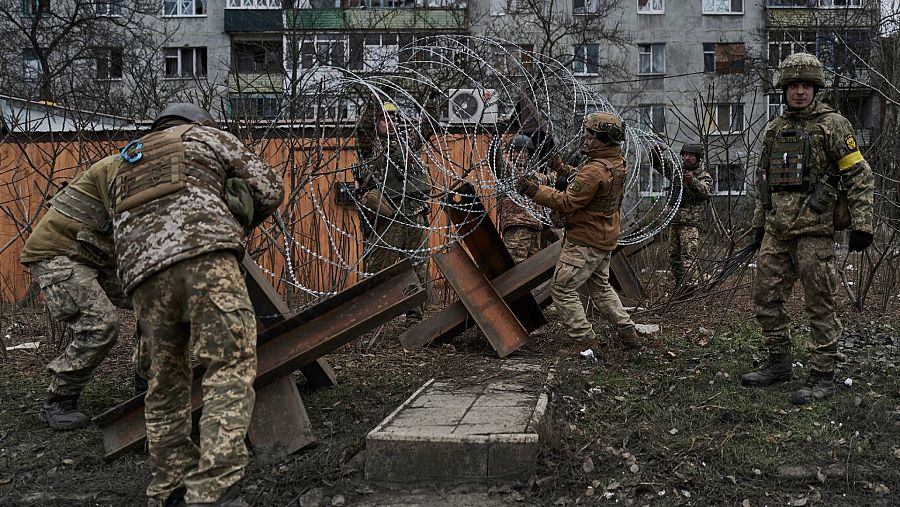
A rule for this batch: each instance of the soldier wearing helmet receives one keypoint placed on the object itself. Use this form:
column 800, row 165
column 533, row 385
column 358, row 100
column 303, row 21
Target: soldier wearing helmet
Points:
column 523, row 234
column 684, row 241
column 809, row 157
column 592, row 205
column 394, row 192
column 184, row 197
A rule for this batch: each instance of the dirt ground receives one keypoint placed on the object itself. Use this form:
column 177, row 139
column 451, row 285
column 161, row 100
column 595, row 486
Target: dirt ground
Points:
column 668, row 426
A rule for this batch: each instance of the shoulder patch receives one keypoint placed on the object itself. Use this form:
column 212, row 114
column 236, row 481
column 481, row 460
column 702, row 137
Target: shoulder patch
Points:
column 575, row 186
column 850, row 141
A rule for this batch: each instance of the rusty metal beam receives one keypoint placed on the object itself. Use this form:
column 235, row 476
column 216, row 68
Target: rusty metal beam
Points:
column 487, row 249
column 279, row 425
column 519, row 280
column 290, row 344
column 498, row 323
column 270, row 308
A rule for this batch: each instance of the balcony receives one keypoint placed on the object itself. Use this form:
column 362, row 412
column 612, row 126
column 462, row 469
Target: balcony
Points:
column 431, row 19
column 255, row 83
column 253, row 20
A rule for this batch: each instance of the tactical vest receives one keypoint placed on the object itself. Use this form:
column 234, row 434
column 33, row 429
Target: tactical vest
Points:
column 790, row 166
column 161, row 171
column 83, row 207
column 612, row 201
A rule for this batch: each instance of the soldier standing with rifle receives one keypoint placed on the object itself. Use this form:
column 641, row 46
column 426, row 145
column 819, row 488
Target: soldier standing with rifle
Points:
column 809, row 155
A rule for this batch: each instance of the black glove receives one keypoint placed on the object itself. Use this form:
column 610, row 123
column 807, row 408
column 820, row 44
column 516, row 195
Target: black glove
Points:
column 526, row 186
column 859, row 241
column 561, row 184
column 758, row 232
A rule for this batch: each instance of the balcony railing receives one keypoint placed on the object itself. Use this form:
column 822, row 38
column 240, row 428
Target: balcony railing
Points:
column 431, row 19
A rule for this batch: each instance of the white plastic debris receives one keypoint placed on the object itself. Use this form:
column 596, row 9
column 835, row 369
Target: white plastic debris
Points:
column 646, row 329
column 587, row 354
column 25, row 346
column 848, row 382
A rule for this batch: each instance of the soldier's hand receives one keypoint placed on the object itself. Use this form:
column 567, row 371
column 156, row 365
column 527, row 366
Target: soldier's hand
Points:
column 526, row 186
column 859, row 241
column 561, row 184
column 688, row 178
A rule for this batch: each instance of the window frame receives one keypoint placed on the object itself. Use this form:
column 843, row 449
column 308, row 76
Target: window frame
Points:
column 582, row 60
column 37, row 69
column 182, row 3
column 585, row 9
column 389, row 52
column 108, row 11
column 194, row 51
column 651, row 118
column 775, row 109
column 651, row 10
column 262, row 106
column 106, row 54
column 261, row 46
column 729, row 12
column 253, row 4
column 714, row 170
column 731, row 117
column 28, row 8
column 649, row 54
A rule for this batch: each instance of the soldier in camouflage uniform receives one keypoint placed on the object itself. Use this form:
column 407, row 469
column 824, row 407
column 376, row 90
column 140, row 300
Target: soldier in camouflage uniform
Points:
column 522, row 233
column 809, row 156
column 685, row 232
column 395, row 194
column 70, row 255
column 183, row 199
column 592, row 205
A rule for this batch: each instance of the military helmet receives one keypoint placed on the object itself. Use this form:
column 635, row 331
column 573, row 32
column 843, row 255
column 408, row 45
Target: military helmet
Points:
column 520, row 142
column 800, row 68
column 602, row 122
column 184, row 111
column 389, row 107
column 695, row 149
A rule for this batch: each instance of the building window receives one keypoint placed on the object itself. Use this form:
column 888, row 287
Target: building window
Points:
column 725, row 118
column 653, row 117
column 31, row 65
column 108, row 7
column 326, row 107
column 724, row 58
column 256, row 57
column 842, row 50
column 814, row 3
column 323, row 49
column 109, row 63
column 587, row 60
column 728, row 179
column 650, row 181
column 783, row 43
column 512, row 59
column 651, row 58
column 385, row 4
column 776, row 105
column 501, row 7
column 585, row 6
column 185, row 62
column 840, row 3
column 31, row 8
column 254, row 4
column 723, row 6
column 255, row 108
column 184, row 7
column 651, row 7
column 380, row 52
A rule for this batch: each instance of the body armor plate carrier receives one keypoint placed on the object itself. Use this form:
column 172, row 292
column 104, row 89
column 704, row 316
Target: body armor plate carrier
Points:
column 789, row 161
column 612, row 201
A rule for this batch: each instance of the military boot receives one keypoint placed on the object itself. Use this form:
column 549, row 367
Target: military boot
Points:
column 231, row 498
column 61, row 412
column 778, row 370
column 819, row 385
column 629, row 338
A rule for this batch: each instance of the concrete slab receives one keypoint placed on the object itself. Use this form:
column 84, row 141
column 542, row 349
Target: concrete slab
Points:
column 472, row 429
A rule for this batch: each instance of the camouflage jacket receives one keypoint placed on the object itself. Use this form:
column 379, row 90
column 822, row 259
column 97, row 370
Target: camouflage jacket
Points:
column 694, row 196
column 195, row 219
column 833, row 153
column 394, row 165
column 592, row 201
column 62, row 233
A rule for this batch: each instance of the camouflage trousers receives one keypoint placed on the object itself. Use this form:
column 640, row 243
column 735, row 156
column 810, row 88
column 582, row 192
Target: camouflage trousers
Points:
column 198, row 306
column 780, row 263
column 85, row 299
column 684, row 243
column 522, row 241
column 586, row 266
column 393, row 240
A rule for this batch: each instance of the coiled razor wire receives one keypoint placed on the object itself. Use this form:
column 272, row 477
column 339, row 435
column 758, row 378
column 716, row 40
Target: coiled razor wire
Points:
column 328, row 102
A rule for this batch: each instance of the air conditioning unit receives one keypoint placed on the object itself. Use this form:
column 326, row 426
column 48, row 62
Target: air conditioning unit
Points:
column 468, row 105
